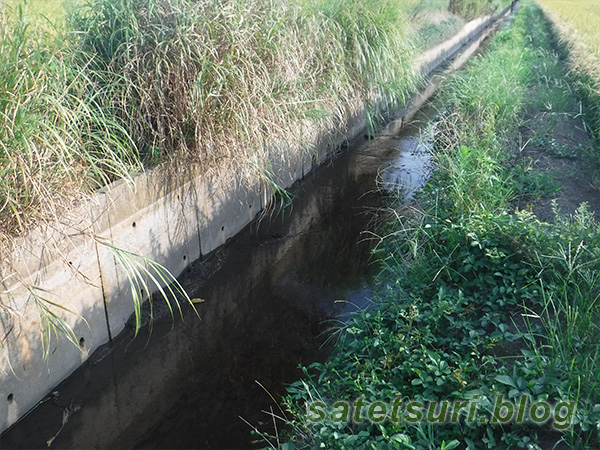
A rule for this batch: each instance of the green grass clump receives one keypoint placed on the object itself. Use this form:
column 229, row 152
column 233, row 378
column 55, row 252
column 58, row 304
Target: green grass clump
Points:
column 55, row 139
column 477, row 299
column 433, row 33
column 118, row 84
column 112, row 85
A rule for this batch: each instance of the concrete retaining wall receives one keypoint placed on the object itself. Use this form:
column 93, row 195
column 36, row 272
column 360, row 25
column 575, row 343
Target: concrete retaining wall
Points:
column 170, row 219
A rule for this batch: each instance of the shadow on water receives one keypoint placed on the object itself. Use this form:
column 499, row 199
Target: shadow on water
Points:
column 270, row 296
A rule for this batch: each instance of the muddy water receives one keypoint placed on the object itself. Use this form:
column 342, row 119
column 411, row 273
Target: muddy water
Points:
column 270, row 297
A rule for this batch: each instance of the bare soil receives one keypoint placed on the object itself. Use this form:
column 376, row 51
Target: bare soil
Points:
column 565, row 153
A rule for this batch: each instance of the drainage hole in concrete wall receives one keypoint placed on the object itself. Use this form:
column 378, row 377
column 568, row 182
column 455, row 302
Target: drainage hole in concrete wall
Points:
column 82, row 342
column 133, row 224
column 10, row 398
column 70, row 263
column 184, row 257
column 222, row 228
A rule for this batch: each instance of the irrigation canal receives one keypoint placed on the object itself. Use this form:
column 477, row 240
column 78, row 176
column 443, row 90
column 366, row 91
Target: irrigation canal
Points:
column 269, row 298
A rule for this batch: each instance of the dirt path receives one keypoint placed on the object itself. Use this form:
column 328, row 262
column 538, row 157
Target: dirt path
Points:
column 555, row 141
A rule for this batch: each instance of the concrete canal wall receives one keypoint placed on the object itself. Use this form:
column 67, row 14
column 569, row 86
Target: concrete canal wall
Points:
column 170, row 219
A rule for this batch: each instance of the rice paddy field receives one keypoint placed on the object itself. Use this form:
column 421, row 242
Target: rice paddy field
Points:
column 576, row 22
column 40, row 11
column 583, row 16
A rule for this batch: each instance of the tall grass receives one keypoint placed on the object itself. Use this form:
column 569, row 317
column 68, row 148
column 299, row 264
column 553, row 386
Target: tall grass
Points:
column 55, row 138
column 218, row 79
column 137, row 82
column 142, row 81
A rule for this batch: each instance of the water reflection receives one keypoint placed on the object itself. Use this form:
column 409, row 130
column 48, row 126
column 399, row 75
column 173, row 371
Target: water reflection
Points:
column 412, row 166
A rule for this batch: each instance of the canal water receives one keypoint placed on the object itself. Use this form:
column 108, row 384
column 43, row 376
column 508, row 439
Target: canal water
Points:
column 270, row 298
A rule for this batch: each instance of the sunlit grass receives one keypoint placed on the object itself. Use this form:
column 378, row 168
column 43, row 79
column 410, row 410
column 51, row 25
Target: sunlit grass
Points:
column 39, row 11
column 56, row 141
column 86, row 83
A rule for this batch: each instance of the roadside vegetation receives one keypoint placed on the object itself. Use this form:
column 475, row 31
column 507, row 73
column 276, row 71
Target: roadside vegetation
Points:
column 487, row 289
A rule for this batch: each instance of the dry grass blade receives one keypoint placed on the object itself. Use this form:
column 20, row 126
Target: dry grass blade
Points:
column 52, row 322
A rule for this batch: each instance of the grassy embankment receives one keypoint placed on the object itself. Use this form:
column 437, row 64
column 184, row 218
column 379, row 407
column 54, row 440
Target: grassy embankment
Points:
column 478, row 299
column 577, row 23
column 124, row 84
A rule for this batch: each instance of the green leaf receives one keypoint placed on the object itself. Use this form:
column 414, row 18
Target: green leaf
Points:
column 450, row 445
column 506, row 379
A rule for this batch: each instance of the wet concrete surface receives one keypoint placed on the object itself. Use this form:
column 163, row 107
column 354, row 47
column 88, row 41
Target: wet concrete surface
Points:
column 269, row 298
